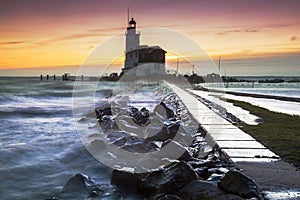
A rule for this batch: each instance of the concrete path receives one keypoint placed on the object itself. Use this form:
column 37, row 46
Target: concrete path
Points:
column 249, row 155
column 238, row 145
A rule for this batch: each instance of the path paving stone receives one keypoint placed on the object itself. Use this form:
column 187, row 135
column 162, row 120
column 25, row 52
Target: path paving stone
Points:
column 234, row 142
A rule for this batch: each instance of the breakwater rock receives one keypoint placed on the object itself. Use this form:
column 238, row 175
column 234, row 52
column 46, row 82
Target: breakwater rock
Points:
column 237, row 183
column 198, row 172
column 81, row 184
column 157, row 183
column 181, row 181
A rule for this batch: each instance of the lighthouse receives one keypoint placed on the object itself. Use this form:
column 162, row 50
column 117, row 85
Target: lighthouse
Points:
column 132, row 37
column 142, row 60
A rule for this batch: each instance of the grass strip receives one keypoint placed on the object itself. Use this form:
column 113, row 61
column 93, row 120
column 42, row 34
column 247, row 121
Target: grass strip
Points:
column 279, row 132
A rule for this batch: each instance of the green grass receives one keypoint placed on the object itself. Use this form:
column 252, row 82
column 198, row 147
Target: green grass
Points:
column 279, row 132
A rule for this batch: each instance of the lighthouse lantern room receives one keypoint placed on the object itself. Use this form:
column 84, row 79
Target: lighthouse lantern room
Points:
column 132, row 37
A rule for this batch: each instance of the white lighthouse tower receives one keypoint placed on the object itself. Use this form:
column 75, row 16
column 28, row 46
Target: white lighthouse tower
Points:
column 132, row 37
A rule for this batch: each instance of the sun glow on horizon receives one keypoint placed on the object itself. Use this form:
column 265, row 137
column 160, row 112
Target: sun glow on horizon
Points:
column 31, row 39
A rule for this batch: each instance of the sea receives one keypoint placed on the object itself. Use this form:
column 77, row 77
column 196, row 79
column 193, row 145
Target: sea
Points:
column 40, row 148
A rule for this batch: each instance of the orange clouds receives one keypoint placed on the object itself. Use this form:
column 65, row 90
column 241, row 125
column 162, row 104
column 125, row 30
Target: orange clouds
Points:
column 60, row 33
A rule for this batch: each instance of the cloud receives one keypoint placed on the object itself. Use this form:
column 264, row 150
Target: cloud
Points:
column 12, row 42
column 251, row 30
column 275, row 25
column 57, row 39
column 255, row 29
column 293, row 38
column 228, row 32
column 89, row 33
column 107, row 29
column 37, row 43
column 98, row 32
column 244, row 30
column 69, row 37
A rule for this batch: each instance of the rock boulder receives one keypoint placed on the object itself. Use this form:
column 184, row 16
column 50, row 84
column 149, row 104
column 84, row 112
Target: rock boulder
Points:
column 81, row 184
column 169, row 180
column 199, row 189
column 154, row 184
column 235, row 182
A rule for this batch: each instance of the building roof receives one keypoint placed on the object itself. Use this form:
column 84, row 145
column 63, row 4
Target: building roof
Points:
column 147, row 48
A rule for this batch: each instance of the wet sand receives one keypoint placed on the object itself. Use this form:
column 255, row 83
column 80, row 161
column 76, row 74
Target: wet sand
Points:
column 272, row 175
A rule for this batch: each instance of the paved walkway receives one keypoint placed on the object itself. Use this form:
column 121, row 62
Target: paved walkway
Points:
column 248, row 154
column 238, row 145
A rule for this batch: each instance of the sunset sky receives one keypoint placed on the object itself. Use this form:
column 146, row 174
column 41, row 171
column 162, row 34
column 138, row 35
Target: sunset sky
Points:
column 253, row 37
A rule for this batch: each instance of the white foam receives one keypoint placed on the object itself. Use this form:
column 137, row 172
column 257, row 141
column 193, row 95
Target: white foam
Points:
column 283, row 195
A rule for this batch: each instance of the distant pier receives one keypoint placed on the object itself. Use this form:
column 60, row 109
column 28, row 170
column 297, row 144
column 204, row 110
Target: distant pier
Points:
column 64, row 77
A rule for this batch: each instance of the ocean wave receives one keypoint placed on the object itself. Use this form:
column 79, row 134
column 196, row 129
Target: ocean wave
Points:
column 30, row 98
column 33, row 112
column 40, row 171
column 39, row 147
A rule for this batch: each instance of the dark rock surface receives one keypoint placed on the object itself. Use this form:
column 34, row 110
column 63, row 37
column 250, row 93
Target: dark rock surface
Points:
column 139, row 131
column 140, row 117
column 191, row 174
column 103, row 108
column 170, row 179
column 164, row 110
column 128, row 182
column 170, row 197
column 156, row 183
column 82, row 184
column 182, row 172
column 51, row 198
column 199, row 189
column 235, row 182
column 166, row 132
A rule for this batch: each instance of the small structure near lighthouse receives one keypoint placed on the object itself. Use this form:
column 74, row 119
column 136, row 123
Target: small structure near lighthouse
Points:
column 142, row 60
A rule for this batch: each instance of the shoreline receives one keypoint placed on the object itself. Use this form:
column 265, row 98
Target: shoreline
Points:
column 264, row 96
